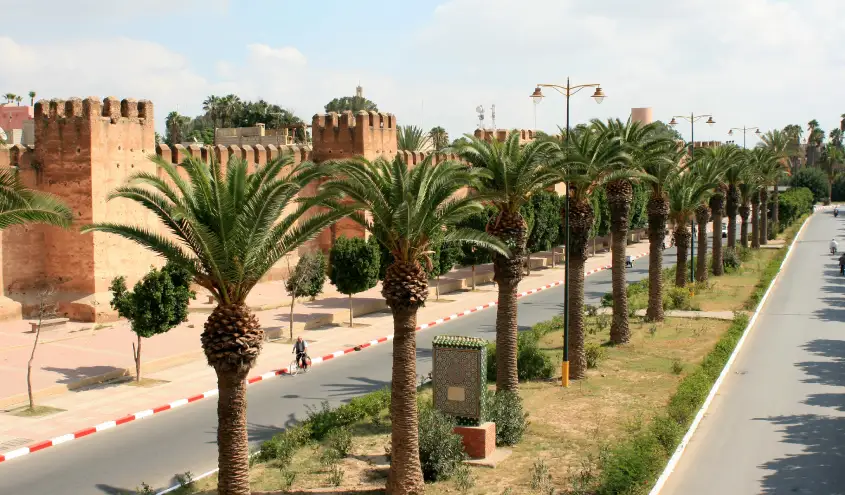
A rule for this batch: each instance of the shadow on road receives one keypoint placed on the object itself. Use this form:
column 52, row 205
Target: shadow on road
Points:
column 818, row 468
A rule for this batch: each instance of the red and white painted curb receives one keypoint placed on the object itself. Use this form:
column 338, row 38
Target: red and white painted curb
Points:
column 266, row 376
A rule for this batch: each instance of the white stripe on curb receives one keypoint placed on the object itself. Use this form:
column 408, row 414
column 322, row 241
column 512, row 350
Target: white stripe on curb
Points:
column 676, row 456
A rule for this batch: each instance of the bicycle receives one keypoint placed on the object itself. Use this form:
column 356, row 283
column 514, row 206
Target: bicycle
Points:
column 294, row 368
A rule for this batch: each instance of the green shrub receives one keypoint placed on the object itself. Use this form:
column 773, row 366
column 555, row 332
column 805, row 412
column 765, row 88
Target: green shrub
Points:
column 284, row 445
column 336, row 474
column 531, row 362
column 371, row 405
column 511, row 420
column 340, row 440
column 677, row 298
column 731, row 259
column 794, row 203
column 288, row 477
column 744, row 253
column 813, row 179
column 441, row 450
column 607, row 300
column 594, row 354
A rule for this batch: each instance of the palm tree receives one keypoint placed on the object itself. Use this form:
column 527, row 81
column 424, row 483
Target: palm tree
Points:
column 32, row 98
column 831, row 162
column 686, row 192
column 779, row 143
column 620, row 194
column 211, row 106
column 10, row 97
column 410, row 208
column 227, row 229
column 793, row 133
column 718, row 160
column 836, row 136
column 439, row 138
column 733, row 173
column 516, row 173
column 411, row 138
column 585, row 163
column 19, row 205
column 771, row 171
column 815, row 138
column 748, row 188
column 660, row 168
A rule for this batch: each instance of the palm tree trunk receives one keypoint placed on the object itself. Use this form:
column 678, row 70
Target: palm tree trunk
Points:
column 717, row 209
column 292, row 302
column 507, row 272
column 755, row 220
column 580, row 222
column 731, row 207
column 405, row 475
column 506, row 336
column 619, row 198
column 702, row 216
column 232, row 440
column 232, row 340
column 744, row 212
column 682, row 239
column 764, row 216
column 658, row 209
column 775, row 215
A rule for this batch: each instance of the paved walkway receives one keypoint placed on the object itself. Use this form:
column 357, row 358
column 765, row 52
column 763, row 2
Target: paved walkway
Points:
column 777, row 425
column 81, row 350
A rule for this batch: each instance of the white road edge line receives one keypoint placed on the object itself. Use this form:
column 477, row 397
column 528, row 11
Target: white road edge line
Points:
column 676, row 456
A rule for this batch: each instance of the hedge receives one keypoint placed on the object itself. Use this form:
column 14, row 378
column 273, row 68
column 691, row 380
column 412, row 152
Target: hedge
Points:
column 633, row 465
column 793, row 204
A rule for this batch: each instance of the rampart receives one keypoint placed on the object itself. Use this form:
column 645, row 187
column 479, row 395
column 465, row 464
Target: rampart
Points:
column 84, row 149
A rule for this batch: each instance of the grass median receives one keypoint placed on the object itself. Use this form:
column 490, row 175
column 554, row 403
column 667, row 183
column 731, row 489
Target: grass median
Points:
column 610, row 433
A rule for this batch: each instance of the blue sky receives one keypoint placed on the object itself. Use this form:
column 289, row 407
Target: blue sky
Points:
column 431, row 62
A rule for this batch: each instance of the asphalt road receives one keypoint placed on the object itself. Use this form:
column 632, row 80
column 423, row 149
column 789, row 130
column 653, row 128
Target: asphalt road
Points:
column 155, row 449
column 777, row 425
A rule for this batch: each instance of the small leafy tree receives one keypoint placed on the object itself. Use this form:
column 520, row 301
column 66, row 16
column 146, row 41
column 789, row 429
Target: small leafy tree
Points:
column 47, row 308
column 443, row 259
column 813, row 179
column 306, row 280
column 353, row 267
column 546, row 222
column 351, row 103
column 157, row 303
column 470, row 255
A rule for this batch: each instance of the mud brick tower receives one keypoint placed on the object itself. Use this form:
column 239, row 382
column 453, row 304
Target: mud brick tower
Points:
column 347, row 135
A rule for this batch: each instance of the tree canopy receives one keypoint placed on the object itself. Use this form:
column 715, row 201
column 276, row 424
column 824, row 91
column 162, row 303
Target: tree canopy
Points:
column 352, row 104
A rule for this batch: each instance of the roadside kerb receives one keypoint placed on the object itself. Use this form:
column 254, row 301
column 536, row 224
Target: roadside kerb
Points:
column 265, row 376
column 679, row 451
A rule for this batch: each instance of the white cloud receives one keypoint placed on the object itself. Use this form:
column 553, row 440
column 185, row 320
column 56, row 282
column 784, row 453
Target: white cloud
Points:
column 755, row 62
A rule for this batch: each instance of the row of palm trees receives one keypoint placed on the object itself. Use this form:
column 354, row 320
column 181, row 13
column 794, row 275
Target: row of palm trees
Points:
column 13, row 98
column 229, row 227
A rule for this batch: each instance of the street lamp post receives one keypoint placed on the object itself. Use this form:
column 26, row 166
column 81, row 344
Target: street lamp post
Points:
column 692, row 119
column 537, row 96
column 744, row 129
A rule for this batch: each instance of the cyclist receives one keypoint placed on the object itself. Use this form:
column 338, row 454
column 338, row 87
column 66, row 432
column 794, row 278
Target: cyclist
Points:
column 299, row 347
column 833, row 246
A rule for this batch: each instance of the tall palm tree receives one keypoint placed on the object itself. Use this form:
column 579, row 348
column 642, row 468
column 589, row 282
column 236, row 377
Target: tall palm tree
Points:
column 18, row 100
column 516, row 173
column 635, row 137
column 411, row 138
column 10, row 97
column 439, row 138
column 686, row 192
column 586, row 162
column 779, row 143
column 733, row 171
column 754, row 179
column 211, row 106
column 771, row 171
column 660, row 167
column 793, row 133
column 719, row 160
column 831, row 162
column 748, row 188
column 227, row 229
column 32, row 98
column 19, row 205
column 702, row 218
column 410, row 208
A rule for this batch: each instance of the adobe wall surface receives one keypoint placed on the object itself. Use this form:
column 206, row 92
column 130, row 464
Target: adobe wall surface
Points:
column 13, row 117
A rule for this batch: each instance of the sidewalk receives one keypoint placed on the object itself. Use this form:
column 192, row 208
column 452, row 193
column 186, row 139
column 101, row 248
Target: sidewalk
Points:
column 83, row 351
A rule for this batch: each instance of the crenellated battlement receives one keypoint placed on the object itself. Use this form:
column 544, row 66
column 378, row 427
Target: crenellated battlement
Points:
column 254, row 155
column 346, row 135
column 92, row 108
column 525, row 135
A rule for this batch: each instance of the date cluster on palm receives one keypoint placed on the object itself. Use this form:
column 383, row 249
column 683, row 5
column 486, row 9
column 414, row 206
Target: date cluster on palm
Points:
column 232, row 338
column 405, row 285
